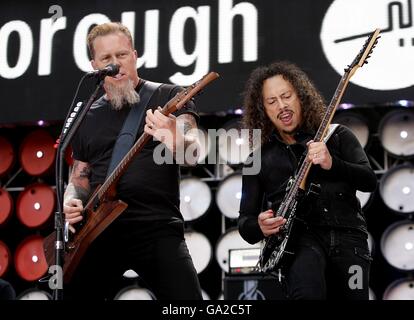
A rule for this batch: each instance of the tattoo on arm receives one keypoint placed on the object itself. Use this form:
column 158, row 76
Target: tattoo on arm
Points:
column 76, row 192
column 187, row 122
column 85, row 172
column 188, row 126
column 79, row 187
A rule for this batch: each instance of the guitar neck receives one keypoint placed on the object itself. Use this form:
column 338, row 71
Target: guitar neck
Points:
column 358, row 62
column 330, row 111
column 322, row 130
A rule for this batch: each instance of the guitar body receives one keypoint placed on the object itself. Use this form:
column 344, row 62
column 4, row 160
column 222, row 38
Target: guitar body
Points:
column 277, row 250
column 96, row 222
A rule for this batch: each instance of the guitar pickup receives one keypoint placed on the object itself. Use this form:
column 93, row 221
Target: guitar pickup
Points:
column 96, row 203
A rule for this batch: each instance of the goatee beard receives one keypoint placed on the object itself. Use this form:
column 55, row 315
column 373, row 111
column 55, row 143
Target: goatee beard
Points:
column 122, row 95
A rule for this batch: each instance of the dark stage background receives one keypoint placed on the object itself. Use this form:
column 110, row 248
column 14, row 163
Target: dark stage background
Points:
column 39, row 69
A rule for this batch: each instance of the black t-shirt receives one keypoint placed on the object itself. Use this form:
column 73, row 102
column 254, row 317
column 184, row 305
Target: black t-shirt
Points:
column 151, row 190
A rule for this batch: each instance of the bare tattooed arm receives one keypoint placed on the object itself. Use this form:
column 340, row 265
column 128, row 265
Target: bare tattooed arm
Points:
column 77, row 192
column 178, row 134
column 78, row 187
column 189, row 148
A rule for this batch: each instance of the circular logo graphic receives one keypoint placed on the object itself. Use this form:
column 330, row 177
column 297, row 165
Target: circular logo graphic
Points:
column 346, row 27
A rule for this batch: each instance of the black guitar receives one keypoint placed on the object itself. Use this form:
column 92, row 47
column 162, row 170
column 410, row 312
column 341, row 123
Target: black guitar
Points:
column 276, row 247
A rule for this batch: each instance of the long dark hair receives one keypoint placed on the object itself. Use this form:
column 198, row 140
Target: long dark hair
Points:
column 311, row 101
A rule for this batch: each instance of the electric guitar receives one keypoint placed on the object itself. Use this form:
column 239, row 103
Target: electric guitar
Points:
column 103, row 207
column 277, row 247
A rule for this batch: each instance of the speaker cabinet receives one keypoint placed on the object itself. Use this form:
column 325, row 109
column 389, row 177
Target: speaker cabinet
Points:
column 253, row 287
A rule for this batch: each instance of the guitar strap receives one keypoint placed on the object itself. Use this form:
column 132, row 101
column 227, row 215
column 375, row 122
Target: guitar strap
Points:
column 128, row 133
column 331, row 130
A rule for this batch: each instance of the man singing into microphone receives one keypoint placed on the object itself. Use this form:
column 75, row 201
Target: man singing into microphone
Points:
column 148, row 236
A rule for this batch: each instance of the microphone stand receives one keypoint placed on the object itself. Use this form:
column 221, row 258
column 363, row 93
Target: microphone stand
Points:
column 62, row 232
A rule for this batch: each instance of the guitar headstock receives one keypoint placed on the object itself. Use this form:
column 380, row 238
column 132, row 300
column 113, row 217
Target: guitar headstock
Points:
column 365, row 53
column 182, row 97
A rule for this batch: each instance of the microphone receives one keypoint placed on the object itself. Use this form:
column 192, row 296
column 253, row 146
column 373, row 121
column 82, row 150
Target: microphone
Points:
column 109, row 70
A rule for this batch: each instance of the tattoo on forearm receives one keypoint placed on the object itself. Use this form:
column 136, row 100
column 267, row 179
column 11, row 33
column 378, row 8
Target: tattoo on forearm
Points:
column 187, row 127
column 78, row 186
column 76, row 192
column 80, row 169
column 190, row 138
column 85, row 172
column 83, row 194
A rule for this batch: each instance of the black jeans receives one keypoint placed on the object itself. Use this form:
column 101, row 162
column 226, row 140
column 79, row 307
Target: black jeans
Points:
column 155, row 250
column 329, row 264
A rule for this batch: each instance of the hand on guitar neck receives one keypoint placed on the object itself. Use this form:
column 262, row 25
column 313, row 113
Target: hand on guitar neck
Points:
column 318, row 153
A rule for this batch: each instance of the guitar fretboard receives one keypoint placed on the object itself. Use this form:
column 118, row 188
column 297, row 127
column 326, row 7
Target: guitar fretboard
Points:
column 299, row 181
